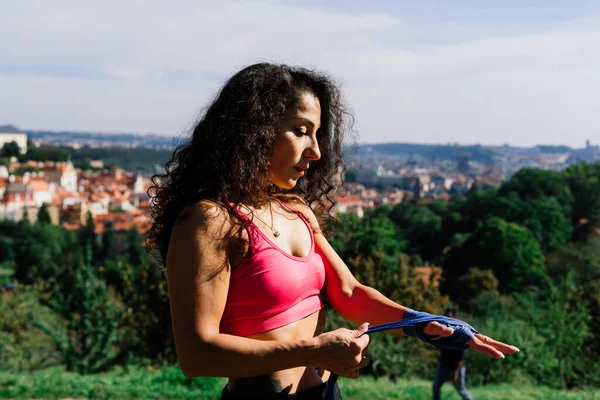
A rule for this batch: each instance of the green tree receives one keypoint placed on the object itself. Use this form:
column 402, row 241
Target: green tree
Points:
column 143, row 289
column 399, row 281
column 382, row 211
column 473, row 209
column 343, row 229
column 439, row 206
column 87, row 342
column 136, row 254
column 582, row 260
column 42, row 251
column 509, row 250
column 560, row 318
column 473, row 283
column 534, row 183
column 379, row 235
column 546, row 219
column 10, row 149
column 24, row 169
column 544, row 216
column 25, row 218
column 351, row 176
column 43, row 216
column 6, row 251
column 22, row 346
column 7, row 227
column 130, row 159
column 421, row 227
column 88, row 237
column 550, row 328
column 45, row 153
column 452, row 223
column 391, row 355
column 109, row 242
column 584, row 183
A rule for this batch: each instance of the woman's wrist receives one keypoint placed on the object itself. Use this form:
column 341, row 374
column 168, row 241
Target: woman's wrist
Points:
column 309, row 351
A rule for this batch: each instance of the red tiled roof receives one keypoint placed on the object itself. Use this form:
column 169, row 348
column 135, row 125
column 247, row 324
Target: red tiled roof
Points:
column 38, row 184
column 123, row 221
column 350, row 198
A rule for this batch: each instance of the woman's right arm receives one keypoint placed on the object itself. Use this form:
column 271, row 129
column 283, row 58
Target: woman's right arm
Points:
column 198, row 273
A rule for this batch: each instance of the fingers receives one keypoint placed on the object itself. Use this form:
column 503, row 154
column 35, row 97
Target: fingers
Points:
column 363, row 363
column 502, row 347
column 348, row 351
column 479, row 342
column 351, row 370
column 363, row 342
column 362, row 329
column 355, row 373
column 478, row 345
column 361, row 339
column 435, row 328
column 364, row 326
column 361, row 359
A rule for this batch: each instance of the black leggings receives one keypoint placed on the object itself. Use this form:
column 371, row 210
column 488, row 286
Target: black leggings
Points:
column 314, row 393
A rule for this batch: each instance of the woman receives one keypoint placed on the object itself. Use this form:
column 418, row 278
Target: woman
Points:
column 236, row 219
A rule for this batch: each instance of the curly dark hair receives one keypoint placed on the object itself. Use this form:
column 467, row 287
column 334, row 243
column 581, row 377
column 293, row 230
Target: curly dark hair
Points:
column 229, row 148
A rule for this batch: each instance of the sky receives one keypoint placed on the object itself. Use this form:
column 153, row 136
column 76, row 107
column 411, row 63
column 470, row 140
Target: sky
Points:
column 471, row 72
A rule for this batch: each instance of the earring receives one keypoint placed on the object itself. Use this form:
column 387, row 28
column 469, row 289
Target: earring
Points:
column 271, row 187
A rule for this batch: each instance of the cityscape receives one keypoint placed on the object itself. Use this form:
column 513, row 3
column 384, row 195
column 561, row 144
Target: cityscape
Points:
column 375, row 176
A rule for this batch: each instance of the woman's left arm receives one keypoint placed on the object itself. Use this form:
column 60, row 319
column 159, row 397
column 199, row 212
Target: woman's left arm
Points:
column 360, row 303
column 350, row 298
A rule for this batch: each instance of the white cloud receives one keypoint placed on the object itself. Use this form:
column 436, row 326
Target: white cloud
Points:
column 163, row 60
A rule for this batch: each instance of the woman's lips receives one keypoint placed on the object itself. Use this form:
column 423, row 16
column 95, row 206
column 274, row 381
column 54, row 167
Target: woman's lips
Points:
column 300, row 171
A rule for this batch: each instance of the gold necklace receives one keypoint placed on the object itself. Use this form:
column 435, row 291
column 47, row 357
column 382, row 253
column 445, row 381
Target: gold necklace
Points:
column 272, row 226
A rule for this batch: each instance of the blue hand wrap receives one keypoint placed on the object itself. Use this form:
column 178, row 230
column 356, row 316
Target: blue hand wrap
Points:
column 413, row 323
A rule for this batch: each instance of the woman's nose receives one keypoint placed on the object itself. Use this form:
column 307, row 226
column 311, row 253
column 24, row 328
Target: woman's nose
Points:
column 313, row 152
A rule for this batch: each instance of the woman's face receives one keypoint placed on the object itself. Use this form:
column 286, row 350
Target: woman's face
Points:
column 296, row 142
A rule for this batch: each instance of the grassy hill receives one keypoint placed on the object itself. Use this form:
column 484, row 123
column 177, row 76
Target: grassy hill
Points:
column 169, row 383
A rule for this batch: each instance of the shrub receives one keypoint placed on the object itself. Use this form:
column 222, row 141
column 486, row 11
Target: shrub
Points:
column 22, row 345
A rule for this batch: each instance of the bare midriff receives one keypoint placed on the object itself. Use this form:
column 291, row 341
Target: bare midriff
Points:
column 293, row 379
column 299, row 378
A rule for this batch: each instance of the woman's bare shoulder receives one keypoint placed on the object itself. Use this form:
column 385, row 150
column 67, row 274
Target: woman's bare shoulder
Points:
column 206, row 225
column 200, row 239
column 205, row 215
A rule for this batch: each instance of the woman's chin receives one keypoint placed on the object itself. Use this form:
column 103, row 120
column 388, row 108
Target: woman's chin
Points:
column 286, row 185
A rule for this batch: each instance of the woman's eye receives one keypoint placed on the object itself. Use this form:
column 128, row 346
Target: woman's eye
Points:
column 300, row 131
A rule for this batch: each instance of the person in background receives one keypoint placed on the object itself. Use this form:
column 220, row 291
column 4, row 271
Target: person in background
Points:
column 451, row 368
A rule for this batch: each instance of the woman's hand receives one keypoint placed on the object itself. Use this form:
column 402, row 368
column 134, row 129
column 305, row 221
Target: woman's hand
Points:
column 479, row 342
column 343, row 351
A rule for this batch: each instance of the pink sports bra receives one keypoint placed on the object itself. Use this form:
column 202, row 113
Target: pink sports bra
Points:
column 271, row 288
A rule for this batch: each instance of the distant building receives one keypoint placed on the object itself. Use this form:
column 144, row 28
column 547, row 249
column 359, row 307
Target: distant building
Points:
column 9, row 133
column 350, row 203
column 61, row 173
column 97, row 164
